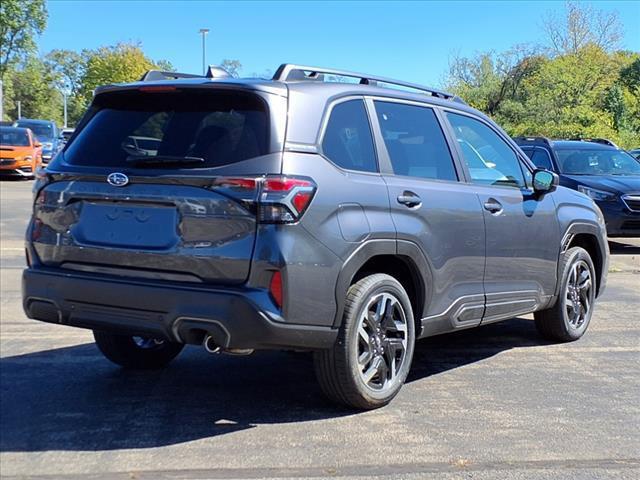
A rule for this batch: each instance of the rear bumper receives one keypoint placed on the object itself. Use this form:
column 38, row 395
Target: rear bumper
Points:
column 170, row 312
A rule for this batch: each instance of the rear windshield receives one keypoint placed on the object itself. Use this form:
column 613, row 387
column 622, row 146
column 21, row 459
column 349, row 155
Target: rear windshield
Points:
column 14, row 137
column 136, row 129
column 43, row 131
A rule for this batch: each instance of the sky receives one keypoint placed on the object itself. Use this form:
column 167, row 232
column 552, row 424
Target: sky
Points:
column 413, row 41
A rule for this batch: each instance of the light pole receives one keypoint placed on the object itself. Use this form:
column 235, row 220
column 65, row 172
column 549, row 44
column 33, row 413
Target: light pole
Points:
column 203, row 32
column 64, row 101
column 65, row 95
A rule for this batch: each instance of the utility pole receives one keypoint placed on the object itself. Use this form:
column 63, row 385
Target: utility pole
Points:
column 203, row 32
column 1, row 103
column 19, row 109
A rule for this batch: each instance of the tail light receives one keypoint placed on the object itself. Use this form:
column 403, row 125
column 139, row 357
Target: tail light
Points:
column 284, row 199
column 277, row 199
column 41, row 180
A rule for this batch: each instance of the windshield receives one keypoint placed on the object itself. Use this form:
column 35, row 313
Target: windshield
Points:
column 220, row 127
column 14, row 137
column 597, row 162
column 43, row 131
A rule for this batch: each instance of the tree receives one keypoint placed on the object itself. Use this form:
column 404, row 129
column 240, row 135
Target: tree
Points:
column 67, row 67
column 33, row 86
column 123, row 62
column 489, row 80
column 580, row 26
column 20, row 22
column 233, row 67
column 614, row 104
column 630, row 76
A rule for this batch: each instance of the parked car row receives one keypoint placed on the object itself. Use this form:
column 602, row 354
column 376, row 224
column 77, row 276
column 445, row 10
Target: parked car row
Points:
column 20, row 152
column 28, row 143
column 600, row 170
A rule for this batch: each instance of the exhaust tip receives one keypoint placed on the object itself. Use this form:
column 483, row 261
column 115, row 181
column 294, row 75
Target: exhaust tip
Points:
column 210, row 344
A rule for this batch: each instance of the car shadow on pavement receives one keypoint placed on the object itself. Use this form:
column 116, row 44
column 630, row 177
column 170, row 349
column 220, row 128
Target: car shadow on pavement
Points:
column 73, row 399
column 617, row 247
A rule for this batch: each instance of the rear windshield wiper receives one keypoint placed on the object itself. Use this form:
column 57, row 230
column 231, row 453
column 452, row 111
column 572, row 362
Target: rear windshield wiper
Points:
column 162, row 159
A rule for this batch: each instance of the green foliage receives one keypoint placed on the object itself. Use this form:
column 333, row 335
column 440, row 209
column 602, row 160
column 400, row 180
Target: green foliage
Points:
column 68, row 68
column 39, row 83
column 20, row 22
column 32, row 85
column 590, row 93
column 577, row 86
column 630, row 76
column 123, row 62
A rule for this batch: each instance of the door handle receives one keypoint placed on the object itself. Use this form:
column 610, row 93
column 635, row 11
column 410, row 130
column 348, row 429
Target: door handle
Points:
column 409, row 199
column 493, row 206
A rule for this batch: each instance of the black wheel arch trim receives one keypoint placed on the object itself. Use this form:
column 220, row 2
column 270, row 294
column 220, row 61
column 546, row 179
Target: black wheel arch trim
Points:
column 577, row 228
column 405, row 250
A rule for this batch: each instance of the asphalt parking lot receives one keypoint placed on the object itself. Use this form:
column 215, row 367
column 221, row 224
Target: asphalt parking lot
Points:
column 495, row 402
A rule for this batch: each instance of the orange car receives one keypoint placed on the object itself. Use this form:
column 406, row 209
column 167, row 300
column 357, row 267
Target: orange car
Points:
column 20, row 152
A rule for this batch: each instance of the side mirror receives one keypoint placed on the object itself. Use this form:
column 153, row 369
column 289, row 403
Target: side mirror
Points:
column 545, row 181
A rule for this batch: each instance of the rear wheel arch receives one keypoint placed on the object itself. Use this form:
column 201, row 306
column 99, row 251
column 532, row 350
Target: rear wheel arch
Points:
column 402, row 260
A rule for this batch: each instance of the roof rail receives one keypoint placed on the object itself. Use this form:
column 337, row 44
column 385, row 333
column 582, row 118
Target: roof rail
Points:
column 213, row 71
column 602, row 141
column 291, row 72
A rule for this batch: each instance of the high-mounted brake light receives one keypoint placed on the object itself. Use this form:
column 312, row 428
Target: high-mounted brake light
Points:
column 158, row 89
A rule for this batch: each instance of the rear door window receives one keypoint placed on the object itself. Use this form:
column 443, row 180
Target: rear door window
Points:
column 414, row 141
column 133, row 128
column 347, row 140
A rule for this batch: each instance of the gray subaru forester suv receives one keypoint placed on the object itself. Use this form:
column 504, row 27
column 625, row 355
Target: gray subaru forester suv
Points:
column 321, row 210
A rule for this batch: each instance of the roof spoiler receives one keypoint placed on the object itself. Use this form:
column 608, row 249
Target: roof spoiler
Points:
column 213, row 72
column 533, row 140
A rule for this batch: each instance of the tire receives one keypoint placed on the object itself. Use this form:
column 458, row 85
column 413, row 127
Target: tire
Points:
column 136, row 352
column 569, row 318
column 386, row 352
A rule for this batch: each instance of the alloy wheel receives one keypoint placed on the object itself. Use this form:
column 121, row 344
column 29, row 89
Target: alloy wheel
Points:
column 382, row 341
column 578, row 295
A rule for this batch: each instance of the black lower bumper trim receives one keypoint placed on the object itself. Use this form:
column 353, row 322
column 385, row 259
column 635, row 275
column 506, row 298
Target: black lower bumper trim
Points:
column 162, row 311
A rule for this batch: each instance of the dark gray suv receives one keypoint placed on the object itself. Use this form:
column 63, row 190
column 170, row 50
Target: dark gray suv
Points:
column 322, row 210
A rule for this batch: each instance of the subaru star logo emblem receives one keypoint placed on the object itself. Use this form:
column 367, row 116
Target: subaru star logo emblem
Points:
column 117, row 179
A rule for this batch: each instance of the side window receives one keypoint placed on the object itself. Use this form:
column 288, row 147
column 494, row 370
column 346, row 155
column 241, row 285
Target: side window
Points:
column 528, row 151
column 415, row 142
column 541, row 159
column 347, row 140
column 490, row 159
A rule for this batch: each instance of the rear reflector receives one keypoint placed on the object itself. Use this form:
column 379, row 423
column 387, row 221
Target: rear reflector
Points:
column 275, row 288
column 231, row 182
